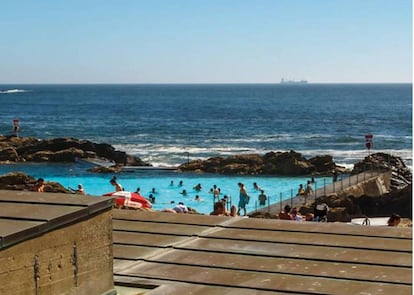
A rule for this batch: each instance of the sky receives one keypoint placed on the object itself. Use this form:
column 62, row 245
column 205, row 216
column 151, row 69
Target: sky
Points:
column 212, row 41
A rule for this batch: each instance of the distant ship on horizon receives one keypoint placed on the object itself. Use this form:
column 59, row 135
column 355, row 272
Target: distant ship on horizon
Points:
column 287, row 81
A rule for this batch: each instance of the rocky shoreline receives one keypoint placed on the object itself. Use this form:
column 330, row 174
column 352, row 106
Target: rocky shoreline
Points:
column 273, row 163
column 22, row 182
column 28, row 149
column 349, row 204
column 398, row 199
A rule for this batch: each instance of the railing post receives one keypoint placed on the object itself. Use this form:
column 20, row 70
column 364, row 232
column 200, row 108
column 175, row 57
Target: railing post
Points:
column 280, row 202
column 268, row 204
column 291, row 198
column 365, row 172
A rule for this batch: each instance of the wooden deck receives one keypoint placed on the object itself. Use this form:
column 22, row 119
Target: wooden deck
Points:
column 194, row 254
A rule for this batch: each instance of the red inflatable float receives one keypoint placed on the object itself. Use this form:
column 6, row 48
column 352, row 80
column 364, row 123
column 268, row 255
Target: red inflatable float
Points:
column 129, row 200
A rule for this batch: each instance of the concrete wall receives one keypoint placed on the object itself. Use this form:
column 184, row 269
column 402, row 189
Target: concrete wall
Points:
column 55, row 255
column 372, row 187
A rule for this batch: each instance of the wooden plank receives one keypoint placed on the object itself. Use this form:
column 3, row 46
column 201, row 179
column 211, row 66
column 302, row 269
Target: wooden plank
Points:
column 132, row 252
column 311, row 252
column 280, row 265
column 141, row 239
column 94, row 204
column 149, row 227
column 320, row 227
column 168, row 287
column 164, row 217
column 260, row 281
column 121, row 264
column 336, row 240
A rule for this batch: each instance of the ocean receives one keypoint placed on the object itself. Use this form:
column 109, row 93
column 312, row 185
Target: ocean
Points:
column 167, row 125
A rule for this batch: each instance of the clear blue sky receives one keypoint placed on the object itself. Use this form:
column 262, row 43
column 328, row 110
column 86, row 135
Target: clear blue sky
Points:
column 211, row 41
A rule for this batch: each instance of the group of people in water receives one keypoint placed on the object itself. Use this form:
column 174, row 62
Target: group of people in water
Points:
column 221, row 206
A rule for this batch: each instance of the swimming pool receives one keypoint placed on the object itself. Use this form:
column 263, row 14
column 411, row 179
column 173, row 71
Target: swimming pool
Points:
column 167, row 195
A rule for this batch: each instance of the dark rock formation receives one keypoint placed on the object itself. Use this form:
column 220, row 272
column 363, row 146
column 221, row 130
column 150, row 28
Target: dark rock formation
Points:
column 345, row 208
column 21, row 149
column 20, row 181
column 401, row 174
column 272, row 163
column 397, row 200
column 101, row 169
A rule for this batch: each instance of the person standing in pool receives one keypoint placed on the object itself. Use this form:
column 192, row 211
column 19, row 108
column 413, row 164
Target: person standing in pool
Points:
column 262, row 198
column 117, row 186
column 216, row 193
column 243, row 199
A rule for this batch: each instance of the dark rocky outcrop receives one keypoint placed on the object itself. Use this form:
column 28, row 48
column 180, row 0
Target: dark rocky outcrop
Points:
column 366, row 199
column 401, row 174
column 21, row 149
column 345, row 208
column 21, row 181
column 102, row 169
column 272, row 163
column 397, row 200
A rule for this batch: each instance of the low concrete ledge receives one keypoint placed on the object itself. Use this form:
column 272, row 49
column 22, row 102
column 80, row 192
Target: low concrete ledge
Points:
column 55, row 244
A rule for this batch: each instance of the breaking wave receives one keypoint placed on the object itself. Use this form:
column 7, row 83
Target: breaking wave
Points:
column 13, row 91
column 164, row 155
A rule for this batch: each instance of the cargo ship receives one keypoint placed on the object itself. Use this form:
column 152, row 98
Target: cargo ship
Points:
column 287, row 81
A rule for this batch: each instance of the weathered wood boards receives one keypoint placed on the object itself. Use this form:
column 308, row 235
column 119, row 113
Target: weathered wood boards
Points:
column 175, row 252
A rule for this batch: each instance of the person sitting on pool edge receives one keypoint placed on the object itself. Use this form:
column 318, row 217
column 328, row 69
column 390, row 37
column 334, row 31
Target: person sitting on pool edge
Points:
column 39, row 186
column 79, row 190
column 220, row 210
column 285, row 214
column 181, row 208
column 394, row 220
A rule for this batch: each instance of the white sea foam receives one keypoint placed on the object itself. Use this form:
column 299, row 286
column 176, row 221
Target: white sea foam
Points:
column 13, row 91
column 146, row 149
column 172, row 155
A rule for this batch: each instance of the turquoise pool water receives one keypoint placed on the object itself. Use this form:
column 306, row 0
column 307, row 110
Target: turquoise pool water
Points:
column 70, row 175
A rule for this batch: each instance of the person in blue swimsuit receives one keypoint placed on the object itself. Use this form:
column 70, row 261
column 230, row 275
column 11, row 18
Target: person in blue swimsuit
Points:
column 243, row 200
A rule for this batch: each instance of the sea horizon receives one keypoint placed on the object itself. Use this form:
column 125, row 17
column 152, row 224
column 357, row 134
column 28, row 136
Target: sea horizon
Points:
column 165, row 124
column 204, row 83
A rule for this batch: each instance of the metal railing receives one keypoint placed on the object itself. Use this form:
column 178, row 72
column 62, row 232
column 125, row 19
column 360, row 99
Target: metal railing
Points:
column 320, row 188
